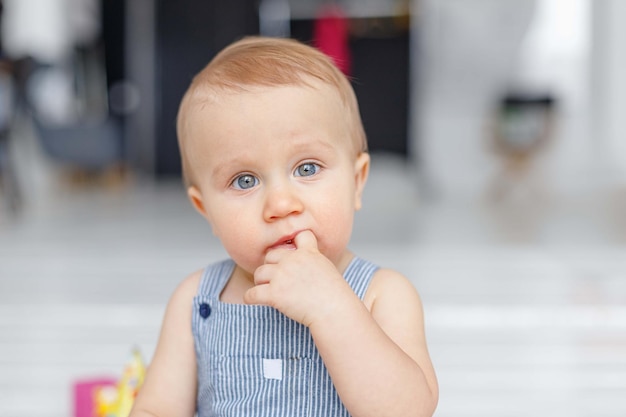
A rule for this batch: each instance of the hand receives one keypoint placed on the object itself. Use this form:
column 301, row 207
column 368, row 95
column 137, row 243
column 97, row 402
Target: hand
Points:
column 302, row 284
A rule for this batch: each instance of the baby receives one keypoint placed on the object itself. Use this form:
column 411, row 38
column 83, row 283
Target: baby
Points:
column 292, row 324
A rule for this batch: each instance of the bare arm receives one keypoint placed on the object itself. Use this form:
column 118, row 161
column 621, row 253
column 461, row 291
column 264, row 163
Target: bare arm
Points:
column 378, row 360
column 169, row 389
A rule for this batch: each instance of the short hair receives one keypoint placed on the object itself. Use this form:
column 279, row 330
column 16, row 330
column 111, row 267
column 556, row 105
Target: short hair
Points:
column 264, row 61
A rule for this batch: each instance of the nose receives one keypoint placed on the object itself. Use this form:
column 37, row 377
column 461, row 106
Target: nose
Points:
column 281, row 201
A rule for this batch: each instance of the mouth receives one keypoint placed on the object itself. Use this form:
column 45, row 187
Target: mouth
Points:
column 285, row 242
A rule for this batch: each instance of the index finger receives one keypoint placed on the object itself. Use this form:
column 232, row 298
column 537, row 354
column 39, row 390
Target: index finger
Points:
column 305, row 240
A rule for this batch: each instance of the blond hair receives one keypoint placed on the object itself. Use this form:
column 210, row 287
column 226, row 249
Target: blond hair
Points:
column 267, row 62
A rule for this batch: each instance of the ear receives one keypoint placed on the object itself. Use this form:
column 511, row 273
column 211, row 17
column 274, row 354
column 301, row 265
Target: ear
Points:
column 361, row 172
column 195, row 197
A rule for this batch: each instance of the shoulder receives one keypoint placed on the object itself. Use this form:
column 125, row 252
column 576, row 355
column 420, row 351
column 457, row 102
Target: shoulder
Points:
column 391, row 293
column 178, row 310
column 188, row 288
column 206, row 280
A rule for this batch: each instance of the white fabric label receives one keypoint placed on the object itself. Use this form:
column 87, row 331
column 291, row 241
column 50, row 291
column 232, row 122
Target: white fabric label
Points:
column 273, row 369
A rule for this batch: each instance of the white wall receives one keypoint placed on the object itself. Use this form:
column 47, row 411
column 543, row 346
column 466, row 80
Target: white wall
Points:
column 608, row 66
column 469, row 51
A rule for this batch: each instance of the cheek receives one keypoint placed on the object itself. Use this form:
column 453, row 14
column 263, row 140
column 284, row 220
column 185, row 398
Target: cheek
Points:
column 334, row 218
column 236, row 234
column 230, row 225
column 335, row 237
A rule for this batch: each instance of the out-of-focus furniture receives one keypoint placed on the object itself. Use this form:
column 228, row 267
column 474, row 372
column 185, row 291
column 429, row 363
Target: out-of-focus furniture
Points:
column 9, row 187
column 523, row 126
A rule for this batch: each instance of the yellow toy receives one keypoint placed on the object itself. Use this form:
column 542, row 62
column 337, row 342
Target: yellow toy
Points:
column 117, row 401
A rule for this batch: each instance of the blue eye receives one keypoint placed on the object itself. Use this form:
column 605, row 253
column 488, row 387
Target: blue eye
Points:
column 245, row 182
column 307, row 170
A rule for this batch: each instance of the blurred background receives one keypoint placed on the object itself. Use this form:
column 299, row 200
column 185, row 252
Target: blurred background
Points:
column 498, row 185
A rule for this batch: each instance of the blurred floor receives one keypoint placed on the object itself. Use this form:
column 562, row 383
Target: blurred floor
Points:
column 525, row 303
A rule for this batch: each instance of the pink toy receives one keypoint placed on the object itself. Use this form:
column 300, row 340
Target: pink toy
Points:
column 84, row 395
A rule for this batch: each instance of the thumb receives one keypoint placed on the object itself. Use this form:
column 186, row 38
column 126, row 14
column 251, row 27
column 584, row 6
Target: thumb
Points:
column 259, row 294
column 306, row 240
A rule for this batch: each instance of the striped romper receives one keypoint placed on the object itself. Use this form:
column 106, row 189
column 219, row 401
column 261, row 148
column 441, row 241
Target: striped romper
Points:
column 253, row 361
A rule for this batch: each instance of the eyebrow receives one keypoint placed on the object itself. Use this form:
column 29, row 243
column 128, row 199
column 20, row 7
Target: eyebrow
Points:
column 223, row 168
column 304, row 143
column 301, row 145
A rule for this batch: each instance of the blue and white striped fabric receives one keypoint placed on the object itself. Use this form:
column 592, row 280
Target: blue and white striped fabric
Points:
column 255, row 362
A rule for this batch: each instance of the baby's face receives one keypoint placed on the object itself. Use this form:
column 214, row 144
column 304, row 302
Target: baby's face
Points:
column 271, row 163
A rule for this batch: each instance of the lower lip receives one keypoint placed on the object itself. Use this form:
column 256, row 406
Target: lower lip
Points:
column 290, row 245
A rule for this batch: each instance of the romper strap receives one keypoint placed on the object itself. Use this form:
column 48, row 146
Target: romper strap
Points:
column 215, row 277
column 359, row 274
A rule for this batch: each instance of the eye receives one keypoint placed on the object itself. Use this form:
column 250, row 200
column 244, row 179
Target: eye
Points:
column 245, row 182
column 306, row 170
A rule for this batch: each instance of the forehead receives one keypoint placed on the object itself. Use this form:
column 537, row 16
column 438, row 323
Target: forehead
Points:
column 242, row 118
